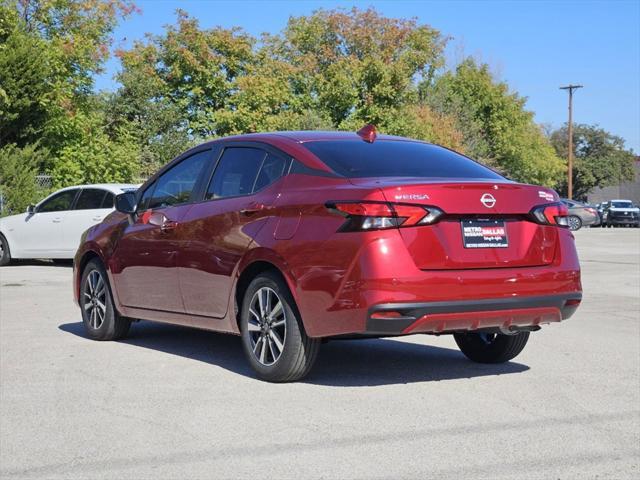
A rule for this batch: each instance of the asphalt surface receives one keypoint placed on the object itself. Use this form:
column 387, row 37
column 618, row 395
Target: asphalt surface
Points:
column 170, row 402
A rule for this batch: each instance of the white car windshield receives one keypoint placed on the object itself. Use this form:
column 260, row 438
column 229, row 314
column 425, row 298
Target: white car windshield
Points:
column 622, row 204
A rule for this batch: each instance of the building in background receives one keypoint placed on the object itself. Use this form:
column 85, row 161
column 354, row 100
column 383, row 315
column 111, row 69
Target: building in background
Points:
column 627, row 190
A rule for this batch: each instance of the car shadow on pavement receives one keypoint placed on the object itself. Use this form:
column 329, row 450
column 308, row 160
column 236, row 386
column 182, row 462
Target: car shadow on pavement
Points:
column 42, row 263
column 341, row 363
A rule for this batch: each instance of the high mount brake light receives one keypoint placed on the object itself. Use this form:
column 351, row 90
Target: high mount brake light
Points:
column 364, row 216
column 552, row 214
column 368, row 133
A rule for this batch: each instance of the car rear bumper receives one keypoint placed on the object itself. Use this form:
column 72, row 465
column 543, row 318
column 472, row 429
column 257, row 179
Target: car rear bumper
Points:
column 339, row 301
column 624, row 220
column 454, row 316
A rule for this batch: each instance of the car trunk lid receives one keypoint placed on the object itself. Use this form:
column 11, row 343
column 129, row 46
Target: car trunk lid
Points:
column 486, row 224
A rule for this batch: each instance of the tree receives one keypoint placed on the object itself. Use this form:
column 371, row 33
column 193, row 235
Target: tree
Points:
column 601, row 158
column 332, row 69
column 49, row 53
column 18, row 168
column 488, row 111
column 357, row 66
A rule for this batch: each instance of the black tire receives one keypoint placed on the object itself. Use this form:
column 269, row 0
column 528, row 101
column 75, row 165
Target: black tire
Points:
column 298, row 352
column 491, row 348
column 575, row 223
column 111, row 326
column 5, row 253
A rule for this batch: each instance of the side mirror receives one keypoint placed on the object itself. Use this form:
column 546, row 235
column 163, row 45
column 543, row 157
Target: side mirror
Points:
column 31, row 209
column 126, row 203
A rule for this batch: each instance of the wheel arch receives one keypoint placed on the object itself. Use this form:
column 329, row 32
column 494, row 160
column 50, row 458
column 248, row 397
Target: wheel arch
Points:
column 79, row 266
column 250, row 270
column 6, row 242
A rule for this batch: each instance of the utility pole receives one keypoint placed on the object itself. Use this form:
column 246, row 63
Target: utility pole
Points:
column 571, row 88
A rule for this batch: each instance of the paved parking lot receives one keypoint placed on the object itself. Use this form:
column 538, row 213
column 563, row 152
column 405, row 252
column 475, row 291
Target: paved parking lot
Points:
column 169, row 402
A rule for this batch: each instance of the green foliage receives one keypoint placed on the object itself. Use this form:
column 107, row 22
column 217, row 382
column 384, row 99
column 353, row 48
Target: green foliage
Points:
column 333, row 69
column 96, row 158
column 330, row 70
column 27, row 99
column 358, row 65
column 600, row 158
column 18, row 169
column 49, row 52
column 510, row 140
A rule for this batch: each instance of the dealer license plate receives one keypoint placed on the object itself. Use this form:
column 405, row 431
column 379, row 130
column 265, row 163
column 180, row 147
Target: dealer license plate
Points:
column 484, row 234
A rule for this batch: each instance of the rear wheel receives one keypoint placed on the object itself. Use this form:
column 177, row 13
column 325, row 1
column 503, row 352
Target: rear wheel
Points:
column 491, row 348
column 273, row 337
column 574, row 222
column 101, row 321
column 5, row 254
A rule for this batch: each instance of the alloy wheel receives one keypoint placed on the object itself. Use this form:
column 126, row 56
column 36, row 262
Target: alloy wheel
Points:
column 574, row 223
column 267, row 326
column 95, row 299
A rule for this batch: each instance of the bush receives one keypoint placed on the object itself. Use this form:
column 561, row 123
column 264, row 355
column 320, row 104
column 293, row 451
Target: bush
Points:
column 18, row 169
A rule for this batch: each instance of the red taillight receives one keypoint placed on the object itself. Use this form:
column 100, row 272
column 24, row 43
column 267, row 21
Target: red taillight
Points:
column 365, row 209
column 381, row 215
column 552, row 214
column 592, row 211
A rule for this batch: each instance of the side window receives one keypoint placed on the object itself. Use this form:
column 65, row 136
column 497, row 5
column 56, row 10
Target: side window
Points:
column 143, row 204
column 272, row 169
column 108, row 201
column 236, row 172
column 58, row 203
column 90, row 199
column 175, row 186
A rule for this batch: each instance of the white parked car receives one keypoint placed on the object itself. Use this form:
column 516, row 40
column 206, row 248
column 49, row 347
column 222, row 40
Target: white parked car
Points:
column 52, row 228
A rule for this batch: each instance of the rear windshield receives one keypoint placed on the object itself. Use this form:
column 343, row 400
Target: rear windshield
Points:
column 389, row 158
column 622, row 204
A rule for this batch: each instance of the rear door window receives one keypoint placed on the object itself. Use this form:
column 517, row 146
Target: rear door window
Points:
column 272, row 169
column 108, row 201
column 90, row 199
column 395, row 158
column 236, row 173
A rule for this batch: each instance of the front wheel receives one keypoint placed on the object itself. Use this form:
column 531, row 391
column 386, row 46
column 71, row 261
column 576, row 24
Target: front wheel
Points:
column 101, row 321
column 491, row 348
column 273, row 337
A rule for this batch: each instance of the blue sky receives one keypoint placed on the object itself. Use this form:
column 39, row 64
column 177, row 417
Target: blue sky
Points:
column 535, row 46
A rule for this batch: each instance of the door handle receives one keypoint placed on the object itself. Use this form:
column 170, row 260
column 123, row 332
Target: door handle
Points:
column 97, row 219
column 57, row 220
column 252, row 208
column 168, row 226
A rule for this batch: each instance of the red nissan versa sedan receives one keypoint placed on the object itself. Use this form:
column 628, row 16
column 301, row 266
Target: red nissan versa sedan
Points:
column 290, row 238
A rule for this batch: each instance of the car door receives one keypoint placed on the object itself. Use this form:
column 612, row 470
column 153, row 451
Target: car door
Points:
column 42, row 234
column 235, row 207
column 91, row 206
column 145, row 256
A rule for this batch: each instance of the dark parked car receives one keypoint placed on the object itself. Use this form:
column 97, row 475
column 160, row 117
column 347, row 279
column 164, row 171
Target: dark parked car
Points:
column 581, row 214
column 290, row 238
column 621, row 213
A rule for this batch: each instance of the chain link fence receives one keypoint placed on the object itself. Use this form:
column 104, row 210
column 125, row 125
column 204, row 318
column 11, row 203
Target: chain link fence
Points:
column 42, row 181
